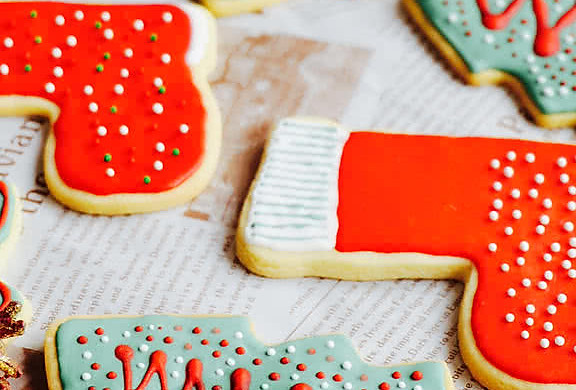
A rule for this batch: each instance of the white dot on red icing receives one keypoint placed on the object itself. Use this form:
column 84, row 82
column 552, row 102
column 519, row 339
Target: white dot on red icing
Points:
column 544, row 343
column 547, row 257
column 126, row 334
column 105, row 16
column 562, row 298
column 4, row 69
column 86, row 376
column 552, row 309
column 524, row 246
column 492, row 247
column 143, row 348
column 87, row 355
column 572, row 273
column 239, row 335
column 562, row 162
column 93, row 107
column 166, row 58
column 544, row 219
column 508, row 172
column 128, row 53
column 175, row 374
column 526, row 282
column 510, row 317
column 59, row 20
column 270, row 352
column 533, row 193
column 138, row 25
column 511, row 292
column 88, row 90
column 547, row 203
column 555, row 247
column 572, row 190
column 497, row 186
column 571, row 205
column 530, row 308
column 495, row 164
column 511, row 155
column 9, row 42
column 508, row 231
column 158, row 165
column 542, row 285
column 520, row 261
column 119, row 89
column 515, row 193
column 110, row 172
column 57, row 52
column 564, row 178
column 548, row 275
column 158, row 82
column 559, row 341
column 102, row 131
column 219, row 372
column 71, row 40
column 124, row 73
column 160, row 147
column 108, row 33
column 540, row 229
column 569, row 226
column 158, row 108
column 493, row 215
column 548, row 326
column 50, row 88
column 529, row 321
column 539, row 178
column 566, row 264
column 79, row 15
column 525, row 334
column 124, row 130
column 530, row 157
column 516, row 214
column 58, row 71
column 184, row 128
column 498, row 204
column 167, row 17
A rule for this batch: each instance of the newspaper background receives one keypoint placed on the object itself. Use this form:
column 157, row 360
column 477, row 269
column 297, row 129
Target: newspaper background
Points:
column 357, row 61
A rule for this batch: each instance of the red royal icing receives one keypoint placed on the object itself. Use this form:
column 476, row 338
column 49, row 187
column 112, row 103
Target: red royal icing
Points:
column 436, row 195
column 50, row 53
column 547, row 40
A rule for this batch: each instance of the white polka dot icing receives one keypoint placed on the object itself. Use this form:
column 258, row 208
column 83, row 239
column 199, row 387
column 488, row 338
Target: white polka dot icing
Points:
column 212, row 346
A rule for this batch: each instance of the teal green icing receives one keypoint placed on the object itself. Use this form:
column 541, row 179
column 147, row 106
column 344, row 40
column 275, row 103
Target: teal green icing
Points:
column 5, row 230
column 15, row 295
column 489, row 49
column 74, row 360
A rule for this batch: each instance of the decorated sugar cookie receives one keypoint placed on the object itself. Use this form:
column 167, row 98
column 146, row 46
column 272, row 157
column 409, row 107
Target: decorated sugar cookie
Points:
column 526, row 44
column 497, row 214
column 184, row 353
column 230, row 7
column 134, row 125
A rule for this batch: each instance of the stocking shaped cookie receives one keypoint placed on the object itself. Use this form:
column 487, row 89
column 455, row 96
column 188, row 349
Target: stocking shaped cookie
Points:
column 134, row 125
column 526, row 44
column 230, row 7
column 496, row 214
column 184, row 353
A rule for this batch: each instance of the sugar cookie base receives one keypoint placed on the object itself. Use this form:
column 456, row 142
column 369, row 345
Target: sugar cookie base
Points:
column 488, row 77
column 232, row 7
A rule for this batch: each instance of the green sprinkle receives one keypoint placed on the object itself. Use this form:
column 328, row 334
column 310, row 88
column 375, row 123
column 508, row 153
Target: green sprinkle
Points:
column 162, row 89
column 38, row 39
column 98, row 25
column 107, row 56
column 28, row 68
column 147, row 180
column 34, row 14
column 100, row 68
column 113, row 109
column 154, row 37
column 107, row 157
column 176, row 152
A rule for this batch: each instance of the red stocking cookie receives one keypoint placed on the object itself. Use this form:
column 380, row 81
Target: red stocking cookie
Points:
column 135, row 128
column 496, row 214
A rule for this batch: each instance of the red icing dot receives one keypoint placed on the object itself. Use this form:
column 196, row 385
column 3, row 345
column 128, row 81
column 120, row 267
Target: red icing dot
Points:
column 301, row 367
column 82, row 340
column 311, row 351
column 224, row 343
column 95, row 366
column 337, row 378
column 417, row 375
column 205, row 342
column 284, row 360
column 138, row 328
column 178, row 328
column 215, row 330
column 274, row 376
column 396, row 375
column 196, row 330
column 320, row 375
column 160, row 328
column 149, row 338
column 257, row 362
column 329, row 358
column 384, row 386
column 111, row 375
column 216, row 354
column 240, row 351
column 363, row 377
column 168, row 340
column 91, row 388
column 216, row 387
column 188, row 346
column 99, row 331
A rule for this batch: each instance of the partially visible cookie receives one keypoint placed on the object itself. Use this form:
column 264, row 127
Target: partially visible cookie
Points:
column 230, row 7
column 163, row 352
column 525, row 44
column 134, row 125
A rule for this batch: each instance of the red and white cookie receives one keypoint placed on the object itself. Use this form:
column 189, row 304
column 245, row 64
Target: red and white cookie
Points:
column 497, row 214
column 135, row 127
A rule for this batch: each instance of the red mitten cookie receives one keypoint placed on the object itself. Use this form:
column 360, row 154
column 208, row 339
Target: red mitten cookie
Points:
column 135, row 127
column 496, row 214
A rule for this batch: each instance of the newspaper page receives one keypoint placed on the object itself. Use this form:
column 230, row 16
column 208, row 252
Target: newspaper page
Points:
column 357, row 61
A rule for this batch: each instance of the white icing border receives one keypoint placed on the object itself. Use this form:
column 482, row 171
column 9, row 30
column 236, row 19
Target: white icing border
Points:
column 294, row 200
